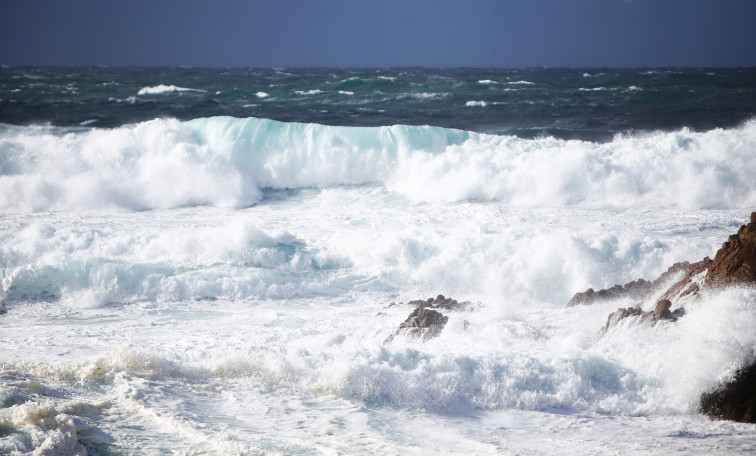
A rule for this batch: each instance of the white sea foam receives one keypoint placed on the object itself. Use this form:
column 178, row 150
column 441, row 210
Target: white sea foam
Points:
column 226, row 162
column 521, row 83
column 346, row 92
column 486, row 81
column 129, row 100
column 425, row 95
column 50, row 431
column 159, row 89
column 262, row 95
column 308, row 92
column 177, row 329
column 476, row 104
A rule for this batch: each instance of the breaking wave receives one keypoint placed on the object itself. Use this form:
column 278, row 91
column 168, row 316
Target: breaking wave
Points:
column 224, row 161
column 162, row 88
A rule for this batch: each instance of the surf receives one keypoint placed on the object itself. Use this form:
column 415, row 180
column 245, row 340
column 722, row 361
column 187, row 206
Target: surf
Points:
column 229, row 162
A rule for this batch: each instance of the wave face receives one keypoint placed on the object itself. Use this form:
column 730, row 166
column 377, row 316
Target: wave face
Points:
column 226, row 161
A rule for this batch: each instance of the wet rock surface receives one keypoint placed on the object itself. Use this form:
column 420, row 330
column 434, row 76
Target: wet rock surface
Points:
column 661, row 312
column 427, row 321
column 441, row 302
column 734, row 400
column 423, row 323
column 733, row 264
column 636, row 290
column 690, row 284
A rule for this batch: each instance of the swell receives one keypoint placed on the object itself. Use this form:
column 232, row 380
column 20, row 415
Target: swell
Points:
column 228, row 162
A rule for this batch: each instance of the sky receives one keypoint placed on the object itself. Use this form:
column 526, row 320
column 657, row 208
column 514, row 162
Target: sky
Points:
column 372, row 33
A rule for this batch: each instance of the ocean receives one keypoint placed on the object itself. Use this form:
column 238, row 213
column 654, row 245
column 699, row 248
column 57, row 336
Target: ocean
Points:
column 210, row 261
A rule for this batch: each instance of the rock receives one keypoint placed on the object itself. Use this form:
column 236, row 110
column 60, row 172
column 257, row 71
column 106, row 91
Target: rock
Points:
column 636, row 290
column 662, row 309
column 426, row 322
column 689, row 285
column 734, row 400
column 441, row 302
column 620, row 314
column 422, row 323
column 661, row 312
column 733, row 264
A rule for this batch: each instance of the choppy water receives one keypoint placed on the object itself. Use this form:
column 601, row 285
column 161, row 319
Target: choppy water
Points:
column 203, row 261
column 570, row 104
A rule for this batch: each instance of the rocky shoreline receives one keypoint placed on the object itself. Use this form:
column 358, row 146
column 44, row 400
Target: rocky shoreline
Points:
column 733, row 265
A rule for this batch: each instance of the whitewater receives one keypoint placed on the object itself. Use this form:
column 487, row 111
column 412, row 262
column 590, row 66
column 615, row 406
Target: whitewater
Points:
column 226, row 284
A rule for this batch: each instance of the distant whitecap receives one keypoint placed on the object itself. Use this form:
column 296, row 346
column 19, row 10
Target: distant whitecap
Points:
column 308, row 92
column 476, row 104
column 159, row 89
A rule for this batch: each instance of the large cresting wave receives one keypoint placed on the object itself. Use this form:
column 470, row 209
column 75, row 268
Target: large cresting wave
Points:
column 224, row 161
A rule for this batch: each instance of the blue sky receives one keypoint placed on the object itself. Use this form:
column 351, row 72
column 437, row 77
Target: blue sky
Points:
column 357, row 33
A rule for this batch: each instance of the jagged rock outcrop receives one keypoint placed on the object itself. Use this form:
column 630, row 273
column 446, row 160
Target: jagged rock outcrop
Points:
column 636, row 290
column 691, row 282
column 661, row 312
column 422, row 323
column 734, row 400
column 441, row 302
column 733, row 264
column 426, row 321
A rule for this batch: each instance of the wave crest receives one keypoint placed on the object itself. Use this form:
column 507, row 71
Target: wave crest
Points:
column 227, row 161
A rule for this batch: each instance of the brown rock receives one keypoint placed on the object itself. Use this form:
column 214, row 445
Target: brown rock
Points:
column 661, row 312
column 662, row 309
column 735, row 262
column 620, row 314
column 637, row 290
column 425, row 321
column 734, row 400
column 634, row 290
column 441, row 302
column 422, row 322
column 687, row 286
